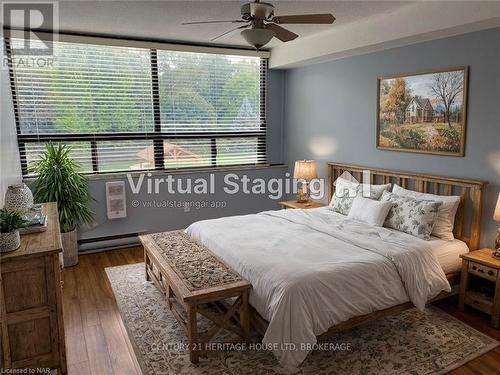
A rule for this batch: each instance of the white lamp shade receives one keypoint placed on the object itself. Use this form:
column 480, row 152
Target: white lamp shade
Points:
column 496, row 215
column 305, row 170
column 257, row 37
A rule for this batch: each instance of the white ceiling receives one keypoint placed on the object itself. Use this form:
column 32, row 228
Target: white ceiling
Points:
column 414, row 23
column 362, row 26
column 162, row 19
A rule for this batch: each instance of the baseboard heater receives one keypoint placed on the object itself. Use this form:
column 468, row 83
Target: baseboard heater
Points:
column 104, row 243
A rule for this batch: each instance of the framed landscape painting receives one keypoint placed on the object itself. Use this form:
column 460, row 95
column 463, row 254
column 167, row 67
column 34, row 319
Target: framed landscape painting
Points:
column 423, row 112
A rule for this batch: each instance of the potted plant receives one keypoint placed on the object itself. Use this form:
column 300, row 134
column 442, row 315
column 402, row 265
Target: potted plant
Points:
column 10, row 222
column 59, row 180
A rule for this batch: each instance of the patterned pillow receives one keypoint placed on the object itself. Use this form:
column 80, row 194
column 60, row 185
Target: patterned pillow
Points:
column 346, row 191
column 413, row 216
column 343, row 204
column 446, row 215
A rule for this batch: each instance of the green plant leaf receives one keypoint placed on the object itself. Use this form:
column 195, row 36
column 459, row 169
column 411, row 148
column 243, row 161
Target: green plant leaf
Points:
column 10, row 221
column 59, row 180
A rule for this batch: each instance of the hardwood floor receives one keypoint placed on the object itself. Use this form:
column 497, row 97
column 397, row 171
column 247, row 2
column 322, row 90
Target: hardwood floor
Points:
column 96, row 340
column 97, row 343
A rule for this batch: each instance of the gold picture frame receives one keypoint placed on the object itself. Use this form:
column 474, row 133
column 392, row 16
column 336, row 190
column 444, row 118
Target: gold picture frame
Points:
column 423, row 112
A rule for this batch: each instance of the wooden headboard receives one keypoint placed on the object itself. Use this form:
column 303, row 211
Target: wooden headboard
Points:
column 468, row 218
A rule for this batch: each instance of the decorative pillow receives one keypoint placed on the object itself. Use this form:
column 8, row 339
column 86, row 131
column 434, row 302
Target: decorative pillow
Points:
column 346, row 191
column 446, row 215
column 376, row 191
column 413, row 216
column 369, row 211
column 342, row 204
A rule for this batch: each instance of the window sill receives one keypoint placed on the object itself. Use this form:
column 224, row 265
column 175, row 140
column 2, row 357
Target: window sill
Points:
column 124, row 174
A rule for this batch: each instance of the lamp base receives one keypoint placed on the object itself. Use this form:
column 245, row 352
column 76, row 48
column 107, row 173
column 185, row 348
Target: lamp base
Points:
column 303, row 195
column 496, row 253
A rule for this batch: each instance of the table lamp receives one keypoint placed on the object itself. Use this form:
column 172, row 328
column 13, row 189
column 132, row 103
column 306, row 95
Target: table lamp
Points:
column 496, row 217
column 305, row 171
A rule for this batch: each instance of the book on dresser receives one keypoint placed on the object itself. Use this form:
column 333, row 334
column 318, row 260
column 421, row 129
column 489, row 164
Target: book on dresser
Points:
column 32, row 331
column 36, row 220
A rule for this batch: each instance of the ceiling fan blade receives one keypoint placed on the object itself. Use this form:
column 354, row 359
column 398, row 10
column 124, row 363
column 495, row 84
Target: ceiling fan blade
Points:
column 305, row 19
column 230, row 31
column 281, row 33
column 203, row 22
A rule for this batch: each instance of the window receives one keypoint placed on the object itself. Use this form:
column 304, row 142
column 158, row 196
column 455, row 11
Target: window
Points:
column 129, row 108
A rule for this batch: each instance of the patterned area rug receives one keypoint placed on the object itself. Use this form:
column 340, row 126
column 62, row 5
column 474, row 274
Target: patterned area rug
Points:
column 413, row 342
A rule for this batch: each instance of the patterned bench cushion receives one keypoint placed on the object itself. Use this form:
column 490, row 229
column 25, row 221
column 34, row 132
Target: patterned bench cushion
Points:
column 192, row 262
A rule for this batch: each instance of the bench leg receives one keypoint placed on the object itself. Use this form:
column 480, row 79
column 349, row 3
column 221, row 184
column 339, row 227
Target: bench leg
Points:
column 245, row 316
column 169, row 295
column 192, row 331
column 146, row 264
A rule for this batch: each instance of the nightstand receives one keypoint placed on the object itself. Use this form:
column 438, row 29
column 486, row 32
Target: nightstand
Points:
column 480, row 283
column 295, row 204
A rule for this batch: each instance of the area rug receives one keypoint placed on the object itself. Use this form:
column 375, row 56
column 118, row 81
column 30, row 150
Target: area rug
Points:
column 414, row 342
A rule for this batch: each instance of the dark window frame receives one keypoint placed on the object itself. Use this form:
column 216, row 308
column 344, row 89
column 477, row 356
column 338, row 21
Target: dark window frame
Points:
column 157, row 136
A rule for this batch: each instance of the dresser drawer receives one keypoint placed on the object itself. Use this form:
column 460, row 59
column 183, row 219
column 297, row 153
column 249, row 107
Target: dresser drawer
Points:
column 25, row 284
column 483, row 271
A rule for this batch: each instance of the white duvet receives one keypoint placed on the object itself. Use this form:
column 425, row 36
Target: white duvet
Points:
column 312, row 269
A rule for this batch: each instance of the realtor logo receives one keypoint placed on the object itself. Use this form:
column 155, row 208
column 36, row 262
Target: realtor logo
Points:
column 25, row 21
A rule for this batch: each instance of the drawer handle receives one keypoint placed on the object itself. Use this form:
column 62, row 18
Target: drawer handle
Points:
column 481, row 270
column 490, row 273
column 474, row 268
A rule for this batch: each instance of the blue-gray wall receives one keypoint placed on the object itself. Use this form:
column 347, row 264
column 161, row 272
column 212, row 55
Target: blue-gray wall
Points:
column 330, row 111
column 275, row 108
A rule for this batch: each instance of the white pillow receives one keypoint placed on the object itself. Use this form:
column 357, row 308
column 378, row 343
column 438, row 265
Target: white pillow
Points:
column 446, row 214
column 350, row 189
column 369, row 211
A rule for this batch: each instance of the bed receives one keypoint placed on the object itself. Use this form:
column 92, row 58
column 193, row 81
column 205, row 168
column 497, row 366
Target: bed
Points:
column 339, row 272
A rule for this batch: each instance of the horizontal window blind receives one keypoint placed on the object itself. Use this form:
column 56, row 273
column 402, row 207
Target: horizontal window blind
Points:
column 188, row 153
column 87, row 89
column 125, row 109
column 207, row 92
column 125, row 155
column 80, row 152
column 240, row 150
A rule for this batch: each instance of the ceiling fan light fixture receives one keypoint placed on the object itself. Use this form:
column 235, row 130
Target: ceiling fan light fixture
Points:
column 263, row 25
column 257, row 37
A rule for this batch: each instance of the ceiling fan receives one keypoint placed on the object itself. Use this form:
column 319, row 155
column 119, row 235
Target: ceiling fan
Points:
column 261, row 25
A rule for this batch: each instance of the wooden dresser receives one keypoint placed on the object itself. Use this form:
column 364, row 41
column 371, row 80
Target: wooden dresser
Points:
column 32, row 330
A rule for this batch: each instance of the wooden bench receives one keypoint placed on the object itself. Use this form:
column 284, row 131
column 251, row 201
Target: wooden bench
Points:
column 194, row 280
